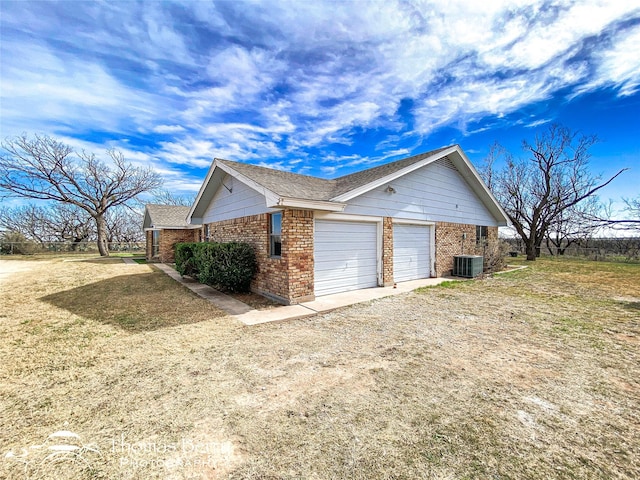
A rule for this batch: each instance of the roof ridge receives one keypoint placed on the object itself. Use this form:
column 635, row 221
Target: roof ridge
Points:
column 316, row 188
column 409, row 160
column 252, row 165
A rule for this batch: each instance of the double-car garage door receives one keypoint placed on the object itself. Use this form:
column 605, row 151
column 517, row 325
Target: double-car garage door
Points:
column 346, row 255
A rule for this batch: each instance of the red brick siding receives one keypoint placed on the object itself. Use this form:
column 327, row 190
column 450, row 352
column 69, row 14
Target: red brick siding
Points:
column 387, row 251
column 168, row 240
column 149, row 244
column 297, row 253
column 449, row 242
column 290, row 277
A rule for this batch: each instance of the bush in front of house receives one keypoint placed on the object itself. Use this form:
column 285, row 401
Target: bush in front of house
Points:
column 185, row 259
column 226, row 266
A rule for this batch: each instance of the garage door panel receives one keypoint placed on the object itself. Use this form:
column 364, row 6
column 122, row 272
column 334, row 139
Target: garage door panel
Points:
column 345, row 256
column 337, row 265
column 411, row 252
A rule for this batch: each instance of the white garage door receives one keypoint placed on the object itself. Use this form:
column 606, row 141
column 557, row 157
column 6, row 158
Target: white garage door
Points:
column 345, row 256
column 411, row 252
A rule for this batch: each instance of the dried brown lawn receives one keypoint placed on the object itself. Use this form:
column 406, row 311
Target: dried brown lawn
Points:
column 532, row 374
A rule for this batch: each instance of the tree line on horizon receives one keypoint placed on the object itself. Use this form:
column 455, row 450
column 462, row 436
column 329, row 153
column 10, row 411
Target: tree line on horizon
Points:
column 549, row 195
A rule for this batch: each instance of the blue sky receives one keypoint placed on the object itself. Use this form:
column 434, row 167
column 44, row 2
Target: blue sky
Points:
column 322, row 88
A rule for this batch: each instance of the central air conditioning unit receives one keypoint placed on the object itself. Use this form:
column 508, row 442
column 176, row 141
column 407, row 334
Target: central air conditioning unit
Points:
column 468, row 266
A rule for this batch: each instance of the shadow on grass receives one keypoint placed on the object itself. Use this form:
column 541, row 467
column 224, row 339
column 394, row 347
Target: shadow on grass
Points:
column 632, row 305
column 103, row 260
column 135, row 303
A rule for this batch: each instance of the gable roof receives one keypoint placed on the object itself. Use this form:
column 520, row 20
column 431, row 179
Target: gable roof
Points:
column 284, row 183
column 313, row 188
column 286, row 189
column 166, row 216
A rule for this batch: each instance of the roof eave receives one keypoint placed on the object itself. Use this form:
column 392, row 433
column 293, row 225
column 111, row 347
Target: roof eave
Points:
column 305, row 204
column 471, row 175
column 173, row 227
column 351, row 194
column 205, row 195
column 201, row 192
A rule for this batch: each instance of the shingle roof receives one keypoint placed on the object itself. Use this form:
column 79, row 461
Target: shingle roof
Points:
column 168, row 215
column 295, row 185
column 351, row 182
column 283, row 183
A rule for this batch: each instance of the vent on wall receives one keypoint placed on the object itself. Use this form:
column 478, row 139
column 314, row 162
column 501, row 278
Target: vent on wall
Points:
column 468, row 266
column 446, row 162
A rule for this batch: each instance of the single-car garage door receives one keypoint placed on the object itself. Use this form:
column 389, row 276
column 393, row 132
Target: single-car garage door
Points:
column 345, row 256
column 411, row 252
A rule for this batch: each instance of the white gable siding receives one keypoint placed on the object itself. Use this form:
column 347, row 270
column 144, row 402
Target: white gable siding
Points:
column 435, row 192
column 240, row 202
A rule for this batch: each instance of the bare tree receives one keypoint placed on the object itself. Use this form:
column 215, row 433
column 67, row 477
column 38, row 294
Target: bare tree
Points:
column 165, row 197
column 62, row 223
column 537, row 190
column 71, row 224
column 125, row 225
column 633, row 207
column 27, row 220
column 574, row 225
column 45, row 169
column 633, row 211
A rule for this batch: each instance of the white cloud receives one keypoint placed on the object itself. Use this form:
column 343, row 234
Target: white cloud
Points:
column 620, row 65
column 168, row 129
column 281, row 79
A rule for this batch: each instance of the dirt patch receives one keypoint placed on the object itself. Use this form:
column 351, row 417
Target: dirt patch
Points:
column 525, row 375
column 12, row 267
column 254, row 300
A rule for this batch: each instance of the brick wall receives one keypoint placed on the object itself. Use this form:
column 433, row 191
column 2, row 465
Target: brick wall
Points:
column 148, row 244
column 297, row 253
column 288, row 278
column 387, row 251
column 168, row 240
column 254, row 230
column 449, row 242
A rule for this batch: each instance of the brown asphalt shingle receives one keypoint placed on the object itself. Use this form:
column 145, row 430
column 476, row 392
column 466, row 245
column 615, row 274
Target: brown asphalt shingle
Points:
column 287, row 184
column 168, row 215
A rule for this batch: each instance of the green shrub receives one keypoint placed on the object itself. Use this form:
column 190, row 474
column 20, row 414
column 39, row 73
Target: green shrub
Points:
column 226, row 266
column 185, row 259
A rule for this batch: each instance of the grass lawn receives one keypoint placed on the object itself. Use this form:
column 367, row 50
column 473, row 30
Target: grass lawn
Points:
column 532, row 374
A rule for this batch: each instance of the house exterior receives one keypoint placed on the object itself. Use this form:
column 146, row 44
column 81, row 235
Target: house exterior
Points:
column 396, row 222
column 164, row 226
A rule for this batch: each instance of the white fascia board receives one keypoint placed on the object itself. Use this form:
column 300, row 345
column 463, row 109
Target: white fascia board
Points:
column 271, row 197
column 203, row 187
column 345, row 197
column 308, row 204
column 472, row 176
column 173, row 227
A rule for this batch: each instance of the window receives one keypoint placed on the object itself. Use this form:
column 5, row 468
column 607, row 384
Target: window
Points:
column 155, row 243
column 481, row 235
column 205, row 233
column 275, row 234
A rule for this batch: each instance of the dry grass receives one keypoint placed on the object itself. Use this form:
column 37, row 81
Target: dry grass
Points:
column 533, row 374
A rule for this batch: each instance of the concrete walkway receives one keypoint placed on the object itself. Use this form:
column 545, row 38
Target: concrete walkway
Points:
column 331, row 302
column 249, row 316
column 225, row 302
